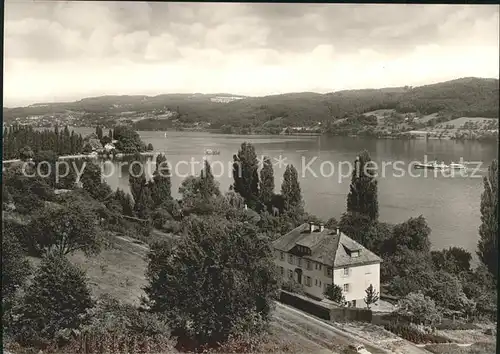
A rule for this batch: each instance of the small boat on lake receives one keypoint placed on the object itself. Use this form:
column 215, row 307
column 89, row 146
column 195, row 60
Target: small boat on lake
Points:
column 457, row 166
column 212, row 152
column 431, row 166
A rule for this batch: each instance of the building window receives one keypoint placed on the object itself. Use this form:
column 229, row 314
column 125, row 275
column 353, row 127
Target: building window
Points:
column 309, row 265
column 290, row 274
column 346, row 288
column 355, row 254
column 282, row 256
column 346, row 272
column 299, row 262
column 316, row 282
column 308, row 281
column 290, row 259
column 319, row 283
column 282, row 270
column 329, row 271
column 325, row 285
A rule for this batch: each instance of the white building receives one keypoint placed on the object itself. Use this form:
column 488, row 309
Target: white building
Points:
column 225, row 99
column 315, row 257
column 108, row 147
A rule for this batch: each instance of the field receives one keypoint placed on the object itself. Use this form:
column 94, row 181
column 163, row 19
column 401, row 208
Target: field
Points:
column 380, row 114
column 459, row 122
column 479, row 122
column 118, row 271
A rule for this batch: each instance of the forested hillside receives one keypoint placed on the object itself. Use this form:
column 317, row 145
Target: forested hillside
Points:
column 461, row 97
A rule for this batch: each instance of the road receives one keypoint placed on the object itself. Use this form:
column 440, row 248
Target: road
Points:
column 328, row 334
column 320, row 332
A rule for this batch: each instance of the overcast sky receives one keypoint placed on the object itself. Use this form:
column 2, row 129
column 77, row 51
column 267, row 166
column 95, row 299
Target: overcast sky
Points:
column 69, row 50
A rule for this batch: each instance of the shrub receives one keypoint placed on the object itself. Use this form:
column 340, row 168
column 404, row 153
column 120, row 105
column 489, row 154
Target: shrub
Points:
column 449, row 325
column 293, row 287
column 140, row 231
column 15, row 271
column 160, row 217
column 27, row 193
column 20, row 231
column 172, row 226
column 476, row 348
column 412, row 334
column 66, row 229
column 334, row 293
column 114, row 325
column 15, row 267
column 332, row 223
column 26, row 153
column 57, row 300
column 220, row 274
column 418, row 308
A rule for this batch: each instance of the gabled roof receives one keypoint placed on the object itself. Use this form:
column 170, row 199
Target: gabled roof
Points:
column 94, row 144
column 326, row 247
column 90, row 136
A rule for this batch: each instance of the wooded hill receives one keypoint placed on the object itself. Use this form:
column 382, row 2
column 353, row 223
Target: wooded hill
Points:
column 462, row 97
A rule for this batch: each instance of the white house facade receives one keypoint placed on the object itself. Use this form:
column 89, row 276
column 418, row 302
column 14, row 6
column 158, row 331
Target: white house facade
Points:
column 108, row 147
column 315, row 257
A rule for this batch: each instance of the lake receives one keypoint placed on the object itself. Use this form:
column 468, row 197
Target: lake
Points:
column 449, row 203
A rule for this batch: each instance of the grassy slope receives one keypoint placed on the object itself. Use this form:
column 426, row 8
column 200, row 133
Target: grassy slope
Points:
column 118, row 271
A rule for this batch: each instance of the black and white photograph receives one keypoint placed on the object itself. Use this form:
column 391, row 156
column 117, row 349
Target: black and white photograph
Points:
column 249, row 177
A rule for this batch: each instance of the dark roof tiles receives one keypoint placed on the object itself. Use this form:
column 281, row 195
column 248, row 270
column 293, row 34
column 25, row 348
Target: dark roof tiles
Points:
column 326, row 247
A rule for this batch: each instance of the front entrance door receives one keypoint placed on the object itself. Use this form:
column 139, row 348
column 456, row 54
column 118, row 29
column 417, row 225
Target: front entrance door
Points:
column 298, row 271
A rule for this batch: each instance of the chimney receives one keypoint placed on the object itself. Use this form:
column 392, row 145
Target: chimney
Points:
column 321, row 227
column 311, row 227
column 338, row 231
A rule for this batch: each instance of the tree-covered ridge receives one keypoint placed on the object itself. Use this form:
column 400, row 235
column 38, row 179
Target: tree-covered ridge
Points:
column 462, row 97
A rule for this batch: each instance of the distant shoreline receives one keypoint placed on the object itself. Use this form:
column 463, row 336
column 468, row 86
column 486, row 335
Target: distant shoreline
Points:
column 85, row 156
column 397, row 136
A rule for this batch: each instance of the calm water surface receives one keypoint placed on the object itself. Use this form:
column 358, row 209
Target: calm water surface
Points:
column 450, row 204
